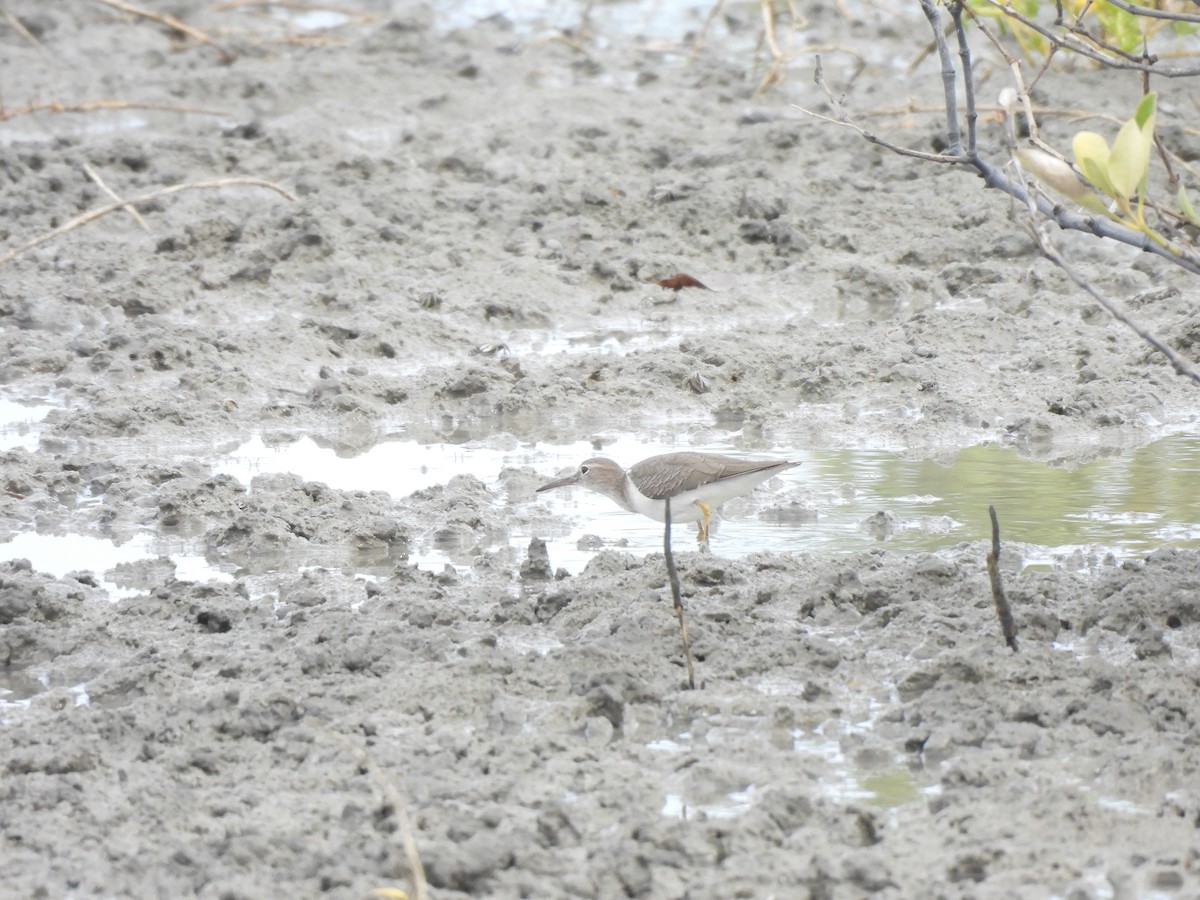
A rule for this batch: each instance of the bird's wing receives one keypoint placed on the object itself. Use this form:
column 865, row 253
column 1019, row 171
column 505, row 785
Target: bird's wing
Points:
column 674, row 473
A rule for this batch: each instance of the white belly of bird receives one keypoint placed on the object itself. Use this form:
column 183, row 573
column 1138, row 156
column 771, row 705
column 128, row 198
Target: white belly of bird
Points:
column 683, row 506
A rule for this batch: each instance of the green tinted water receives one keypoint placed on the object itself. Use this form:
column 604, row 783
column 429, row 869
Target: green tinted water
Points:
column 1131, row 503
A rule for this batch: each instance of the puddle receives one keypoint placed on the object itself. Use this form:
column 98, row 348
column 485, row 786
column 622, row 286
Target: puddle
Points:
column 666, row 20
column 819, row 753
column 739, row 802
column 58, row 554
column 835, row 501
column 19, row 424
column 842, row 501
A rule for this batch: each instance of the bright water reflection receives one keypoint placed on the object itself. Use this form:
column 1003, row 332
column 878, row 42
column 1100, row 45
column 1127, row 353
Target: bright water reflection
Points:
column 836, row 501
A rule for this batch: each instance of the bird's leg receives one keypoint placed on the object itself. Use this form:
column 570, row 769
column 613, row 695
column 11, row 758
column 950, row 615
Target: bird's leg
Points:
column 702, row 526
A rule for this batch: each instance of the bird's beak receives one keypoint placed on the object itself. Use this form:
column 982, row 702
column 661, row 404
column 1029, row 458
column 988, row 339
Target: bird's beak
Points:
column 562, row 482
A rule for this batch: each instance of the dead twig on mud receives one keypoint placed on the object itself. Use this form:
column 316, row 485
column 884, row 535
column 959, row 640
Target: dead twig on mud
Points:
column 93, row 105
column 132, row 210
column 416, row 869
column 94, row 214
column 171, row 22
column 677, row 597
column 161, row 18
column 292, row 5
column 1007, row 626
column 19, row 27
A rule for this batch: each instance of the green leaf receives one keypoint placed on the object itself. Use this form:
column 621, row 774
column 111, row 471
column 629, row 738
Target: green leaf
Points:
column 1185, row 206
column 1129, row 159
column 1091, row 156
column 1144, row 115
column 1123, row 27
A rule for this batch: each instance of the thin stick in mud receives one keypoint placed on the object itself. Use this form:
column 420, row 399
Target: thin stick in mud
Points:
column 94, row 214
column 677, row 597
column 1003, row 610
column 415, row 867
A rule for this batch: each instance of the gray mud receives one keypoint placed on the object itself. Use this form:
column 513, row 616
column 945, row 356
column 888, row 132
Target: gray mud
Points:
column 860, row 728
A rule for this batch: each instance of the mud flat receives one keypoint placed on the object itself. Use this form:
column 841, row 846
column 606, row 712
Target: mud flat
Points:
column 482, row 209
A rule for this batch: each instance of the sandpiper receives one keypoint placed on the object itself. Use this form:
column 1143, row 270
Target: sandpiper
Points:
column 695, row 482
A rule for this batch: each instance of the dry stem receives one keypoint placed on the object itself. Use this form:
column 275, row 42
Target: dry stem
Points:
column 93, row 105
column 162, row 18
column 94, row 214
column 132, row 210
column 16, row 25
column 417, row 870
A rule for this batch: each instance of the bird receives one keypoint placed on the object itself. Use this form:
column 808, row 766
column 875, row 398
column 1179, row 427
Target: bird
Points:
column 695, row 482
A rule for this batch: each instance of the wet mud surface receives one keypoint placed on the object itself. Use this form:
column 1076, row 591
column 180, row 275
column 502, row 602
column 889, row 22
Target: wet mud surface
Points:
column 481, row 215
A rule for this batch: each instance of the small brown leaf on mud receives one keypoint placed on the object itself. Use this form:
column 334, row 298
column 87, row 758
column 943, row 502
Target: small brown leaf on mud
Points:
column 680, row 280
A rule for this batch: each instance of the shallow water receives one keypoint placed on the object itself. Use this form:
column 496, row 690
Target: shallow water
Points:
column 835, row 502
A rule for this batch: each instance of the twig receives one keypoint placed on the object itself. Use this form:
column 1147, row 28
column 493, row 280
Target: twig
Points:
column 953, row 135
column 871, row 138
column 1040, row 207
column 703, row 32
column 1151, row 13
column 132, row 210
column 287, row 4
column 1078, row 46
column 964, row 52
column 94, row 214
column 1003, row 610
column 93, row 105
column 162, row 18
column 677, row 597
column 225, row 54
column 768, row 17
column 416, row 869
column 18, row 26
column 1067, row 220
column 1022, row 91
column 1112, row 307
column 1033, row 225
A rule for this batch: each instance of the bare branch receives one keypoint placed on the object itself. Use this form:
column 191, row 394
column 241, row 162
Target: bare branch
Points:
column 964, row 52
column 1112, row 307
column 1151, row 13
column 1071, row 221
column 953, row 135
column 1072, row 43
column 874, row 139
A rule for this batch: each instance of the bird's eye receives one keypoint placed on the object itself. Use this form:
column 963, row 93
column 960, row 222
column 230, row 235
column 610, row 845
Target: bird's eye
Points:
column 583, row 470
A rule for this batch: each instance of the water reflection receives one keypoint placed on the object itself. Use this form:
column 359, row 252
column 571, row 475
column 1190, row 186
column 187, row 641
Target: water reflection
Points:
column 835, row 502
